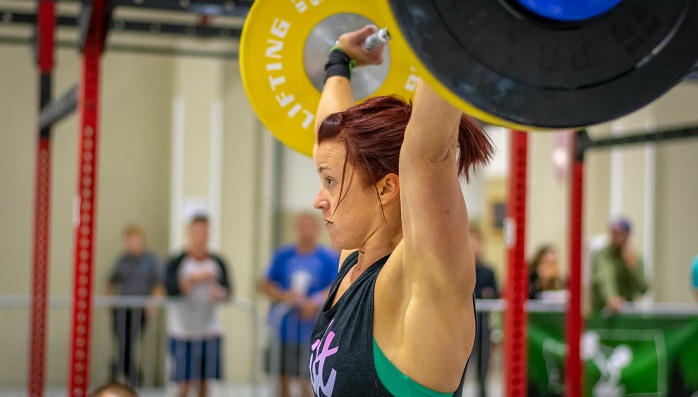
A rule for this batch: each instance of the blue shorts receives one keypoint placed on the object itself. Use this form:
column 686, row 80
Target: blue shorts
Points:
column 195, row 359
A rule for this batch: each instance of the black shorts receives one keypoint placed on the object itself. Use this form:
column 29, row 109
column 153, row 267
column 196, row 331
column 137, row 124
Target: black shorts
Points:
column 294, row 360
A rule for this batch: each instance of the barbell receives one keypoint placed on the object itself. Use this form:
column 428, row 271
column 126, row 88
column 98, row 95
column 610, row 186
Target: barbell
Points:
column 524, row 64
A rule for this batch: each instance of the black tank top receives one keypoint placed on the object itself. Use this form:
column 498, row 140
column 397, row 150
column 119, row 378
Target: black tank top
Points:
column 341, row 359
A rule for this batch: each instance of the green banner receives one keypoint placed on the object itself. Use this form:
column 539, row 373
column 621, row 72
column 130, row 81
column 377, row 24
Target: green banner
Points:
column 624, row 355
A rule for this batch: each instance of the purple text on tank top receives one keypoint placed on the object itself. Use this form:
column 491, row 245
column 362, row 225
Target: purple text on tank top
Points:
column 321, row 350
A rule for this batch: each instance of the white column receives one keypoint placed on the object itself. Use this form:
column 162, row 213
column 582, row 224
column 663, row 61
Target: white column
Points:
column 197, row 153
column 177, row 170
column 648, row 238
column 215, row 173
column 616, row 180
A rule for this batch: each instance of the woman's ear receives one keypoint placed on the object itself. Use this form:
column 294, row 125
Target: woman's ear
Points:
column 389, row 188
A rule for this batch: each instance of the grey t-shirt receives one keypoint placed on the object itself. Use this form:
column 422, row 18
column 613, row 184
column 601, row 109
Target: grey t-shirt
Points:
column 136, row 275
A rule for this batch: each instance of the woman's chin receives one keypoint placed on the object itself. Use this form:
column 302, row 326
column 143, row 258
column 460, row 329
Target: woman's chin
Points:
column 337, row 244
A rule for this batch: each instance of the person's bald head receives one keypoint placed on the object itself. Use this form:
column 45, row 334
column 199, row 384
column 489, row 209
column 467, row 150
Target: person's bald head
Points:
column 307, row 229
column 114, row 390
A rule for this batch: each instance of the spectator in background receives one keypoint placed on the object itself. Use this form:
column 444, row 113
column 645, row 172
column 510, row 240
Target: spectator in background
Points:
column 137, row 272
column 617, row 270
column 545, row 273
column 113, row 390
column 298, row 278
column 485, row 288
column 695, row 277
column 200, row 279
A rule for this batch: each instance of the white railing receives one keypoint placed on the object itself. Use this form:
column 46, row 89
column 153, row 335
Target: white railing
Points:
column 241, row 352
column 645, row 308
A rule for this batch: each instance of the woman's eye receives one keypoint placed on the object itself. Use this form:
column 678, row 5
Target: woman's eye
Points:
column 329, row 182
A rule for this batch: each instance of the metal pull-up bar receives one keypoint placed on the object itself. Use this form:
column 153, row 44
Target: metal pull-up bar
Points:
column 55, row 111
column 585, row 142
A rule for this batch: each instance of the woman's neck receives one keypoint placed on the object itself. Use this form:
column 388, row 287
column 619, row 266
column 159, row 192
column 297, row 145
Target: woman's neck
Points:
column 375, row 250
column 386, row 236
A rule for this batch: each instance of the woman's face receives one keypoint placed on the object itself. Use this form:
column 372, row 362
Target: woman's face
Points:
column 547, row 268
column 348, row 224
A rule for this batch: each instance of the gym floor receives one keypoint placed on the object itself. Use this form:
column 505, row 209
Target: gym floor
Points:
column 495, row 389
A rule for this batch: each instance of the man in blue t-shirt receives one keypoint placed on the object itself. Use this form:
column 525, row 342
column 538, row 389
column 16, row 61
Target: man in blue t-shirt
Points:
column 695, row 278
column 297, row 283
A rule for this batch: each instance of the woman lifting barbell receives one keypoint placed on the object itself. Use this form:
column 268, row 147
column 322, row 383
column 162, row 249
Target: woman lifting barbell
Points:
column 400, row 317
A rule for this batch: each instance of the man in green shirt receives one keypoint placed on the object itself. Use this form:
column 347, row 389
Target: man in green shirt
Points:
column 617, row 271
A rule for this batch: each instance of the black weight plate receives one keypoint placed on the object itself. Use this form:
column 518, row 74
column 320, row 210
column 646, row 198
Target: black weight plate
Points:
column 502, row 59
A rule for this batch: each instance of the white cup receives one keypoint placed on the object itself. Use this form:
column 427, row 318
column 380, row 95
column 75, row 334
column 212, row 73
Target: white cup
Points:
column 300, row 282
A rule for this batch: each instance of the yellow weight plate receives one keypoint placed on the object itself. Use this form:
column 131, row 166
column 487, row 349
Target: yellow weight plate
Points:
column 283, row 50
column 398, row 39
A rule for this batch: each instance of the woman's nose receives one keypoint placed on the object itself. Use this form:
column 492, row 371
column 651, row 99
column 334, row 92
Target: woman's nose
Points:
column 319, row 203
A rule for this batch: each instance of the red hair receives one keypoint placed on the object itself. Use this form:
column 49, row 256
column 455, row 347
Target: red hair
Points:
column 373, row 132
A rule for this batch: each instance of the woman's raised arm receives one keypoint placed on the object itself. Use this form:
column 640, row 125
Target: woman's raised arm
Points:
column 434, row 216
column 336, row 93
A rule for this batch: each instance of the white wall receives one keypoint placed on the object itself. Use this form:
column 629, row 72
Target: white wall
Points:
column 300, row 181
column 132, row 183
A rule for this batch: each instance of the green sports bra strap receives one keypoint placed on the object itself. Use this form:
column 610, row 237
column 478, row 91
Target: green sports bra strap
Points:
column 397, row 383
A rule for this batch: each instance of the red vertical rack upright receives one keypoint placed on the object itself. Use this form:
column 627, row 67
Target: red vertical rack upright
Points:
column 46, row 23
column 515, row 320
column 88, row 106
column 574, row 324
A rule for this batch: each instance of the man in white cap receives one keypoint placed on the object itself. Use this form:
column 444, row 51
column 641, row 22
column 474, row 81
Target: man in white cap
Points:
column 617, row 270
